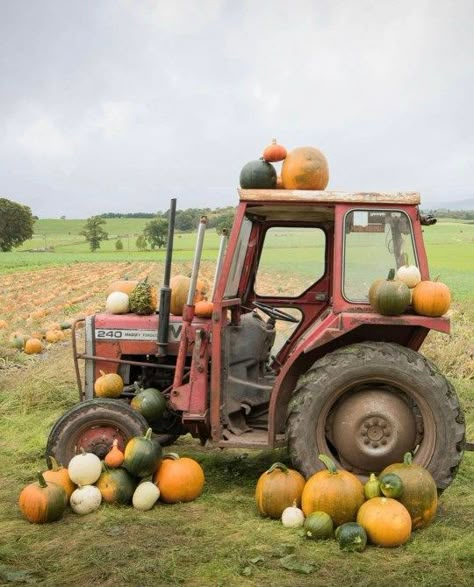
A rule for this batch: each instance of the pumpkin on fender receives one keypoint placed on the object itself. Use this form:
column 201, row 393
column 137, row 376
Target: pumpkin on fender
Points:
column 431, row 298
column 389, row 297
column 338, row 493
column 277, row 489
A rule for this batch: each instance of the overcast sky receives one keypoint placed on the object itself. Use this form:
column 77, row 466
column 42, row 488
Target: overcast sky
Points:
column 118, row 105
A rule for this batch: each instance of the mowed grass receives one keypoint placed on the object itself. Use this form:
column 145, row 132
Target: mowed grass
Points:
column 219, row 539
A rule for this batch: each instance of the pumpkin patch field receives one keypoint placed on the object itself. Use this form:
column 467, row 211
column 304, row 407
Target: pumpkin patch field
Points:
column 219, row 538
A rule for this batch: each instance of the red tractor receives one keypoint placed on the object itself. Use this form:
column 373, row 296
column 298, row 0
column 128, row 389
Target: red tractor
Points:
column 340, row 379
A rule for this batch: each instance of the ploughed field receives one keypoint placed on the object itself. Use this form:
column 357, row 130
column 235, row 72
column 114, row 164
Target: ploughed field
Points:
column 218, row 539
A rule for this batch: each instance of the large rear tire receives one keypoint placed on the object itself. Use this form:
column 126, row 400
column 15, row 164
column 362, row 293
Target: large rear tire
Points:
column 367, row 404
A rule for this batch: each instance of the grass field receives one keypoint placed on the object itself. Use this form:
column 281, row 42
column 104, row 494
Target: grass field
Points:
column 218, row 540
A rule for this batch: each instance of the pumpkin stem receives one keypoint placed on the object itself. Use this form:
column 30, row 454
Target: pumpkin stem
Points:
column 54, row 464
column 283, row 468
column 102, row 372
column 274, row 141
column 148, row 434
column 391, row 275
column 171, row 455
column 405, row 259
column 407, row 458
column 373, row 477
column 41, row 481
column 329, row 463
column 436, row 278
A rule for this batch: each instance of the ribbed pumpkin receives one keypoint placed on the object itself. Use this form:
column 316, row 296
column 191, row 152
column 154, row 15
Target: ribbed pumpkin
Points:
column 258, row 175
column 116, row 486
column 42, row 501
column 338, row 493
column 386, row 521
column 274, row 152
column 179, row 285
column 60, row 476
column 305, row 168
column 108, row 385
column 142, row 455
column 420, row 495
column 277, row 489
column 179, row 479
column 390, row 297
column 431, row 298
column 150, row 403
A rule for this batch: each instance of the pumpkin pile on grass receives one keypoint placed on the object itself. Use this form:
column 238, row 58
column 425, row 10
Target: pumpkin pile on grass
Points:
column 335, row 503
column 139, row 475
column 303, row 168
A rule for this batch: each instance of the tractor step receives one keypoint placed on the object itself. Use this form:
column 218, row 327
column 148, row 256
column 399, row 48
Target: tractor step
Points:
column 253, row 439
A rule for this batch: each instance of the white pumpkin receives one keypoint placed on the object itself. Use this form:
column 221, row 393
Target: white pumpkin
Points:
column 117, row 303
column 409, row 274
column 84, row 469
column 292, row 517
column 85, row 499
column 145, row 496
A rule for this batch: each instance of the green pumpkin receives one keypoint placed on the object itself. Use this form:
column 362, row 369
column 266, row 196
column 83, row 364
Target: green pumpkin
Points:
column 391, row 485
column 372, row 487
column 351, row 537
column 318, row 526
column 258, row 175
column 150, row 403
column 116, row 486
column 142, row 455
column 391, row 297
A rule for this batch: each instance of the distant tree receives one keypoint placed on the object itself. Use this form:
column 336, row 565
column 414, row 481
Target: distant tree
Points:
column 224, row 221
column 16, row 224
column 118, row 245
column 141, row 243
column 156, row 232
column 63, row 218
column 93, row 232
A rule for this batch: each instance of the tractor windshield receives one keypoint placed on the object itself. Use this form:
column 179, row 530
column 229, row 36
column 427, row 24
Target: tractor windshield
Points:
column 375, row 241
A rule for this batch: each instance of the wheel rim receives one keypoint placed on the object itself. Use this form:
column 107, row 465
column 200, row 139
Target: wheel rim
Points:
column 370, row 424
column 96, row 438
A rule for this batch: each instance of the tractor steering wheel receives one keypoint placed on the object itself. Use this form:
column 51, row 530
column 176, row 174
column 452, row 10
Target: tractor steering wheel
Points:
column 275, row 313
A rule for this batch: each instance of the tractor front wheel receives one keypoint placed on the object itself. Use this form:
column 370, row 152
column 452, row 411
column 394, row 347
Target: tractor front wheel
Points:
column 367, row 404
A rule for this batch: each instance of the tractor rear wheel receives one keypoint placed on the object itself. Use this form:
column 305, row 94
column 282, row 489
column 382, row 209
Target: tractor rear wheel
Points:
column 93, row 425
column 367, row 404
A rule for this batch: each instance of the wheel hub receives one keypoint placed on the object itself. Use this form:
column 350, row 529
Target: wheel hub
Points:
column 371, row 429
column 99, row 440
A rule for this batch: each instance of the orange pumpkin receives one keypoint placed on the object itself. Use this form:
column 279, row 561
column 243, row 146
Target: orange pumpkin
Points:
column 305, row 168
column 203, row 309
column 420, row 495
column 338, row 493
column 114, row 458
column 386, row 521
column 277, row 489
column 179, row 479
column 51, row 336
column 60, row 476
column 42, row 501
column 108, row 385
column 124, row 285
column 33, row 346
column 274, row 152
column 3, row 324
column 179, row 285
column 431, row 298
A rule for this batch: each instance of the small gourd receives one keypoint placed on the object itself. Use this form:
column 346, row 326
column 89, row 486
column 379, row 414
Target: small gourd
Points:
column 318, row 526
column 351, row 537
column 85, row 468
column 391, row 485
column 117, row 303
column 85, row 499
column 108, row 385
column 114, row 458
column 409, row 274
column 274, row 152
column 292, row 517
column 145, row 496
column 372, row 487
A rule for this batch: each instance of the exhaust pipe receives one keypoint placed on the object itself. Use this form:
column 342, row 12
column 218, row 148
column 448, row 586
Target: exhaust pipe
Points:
column 165, row 291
